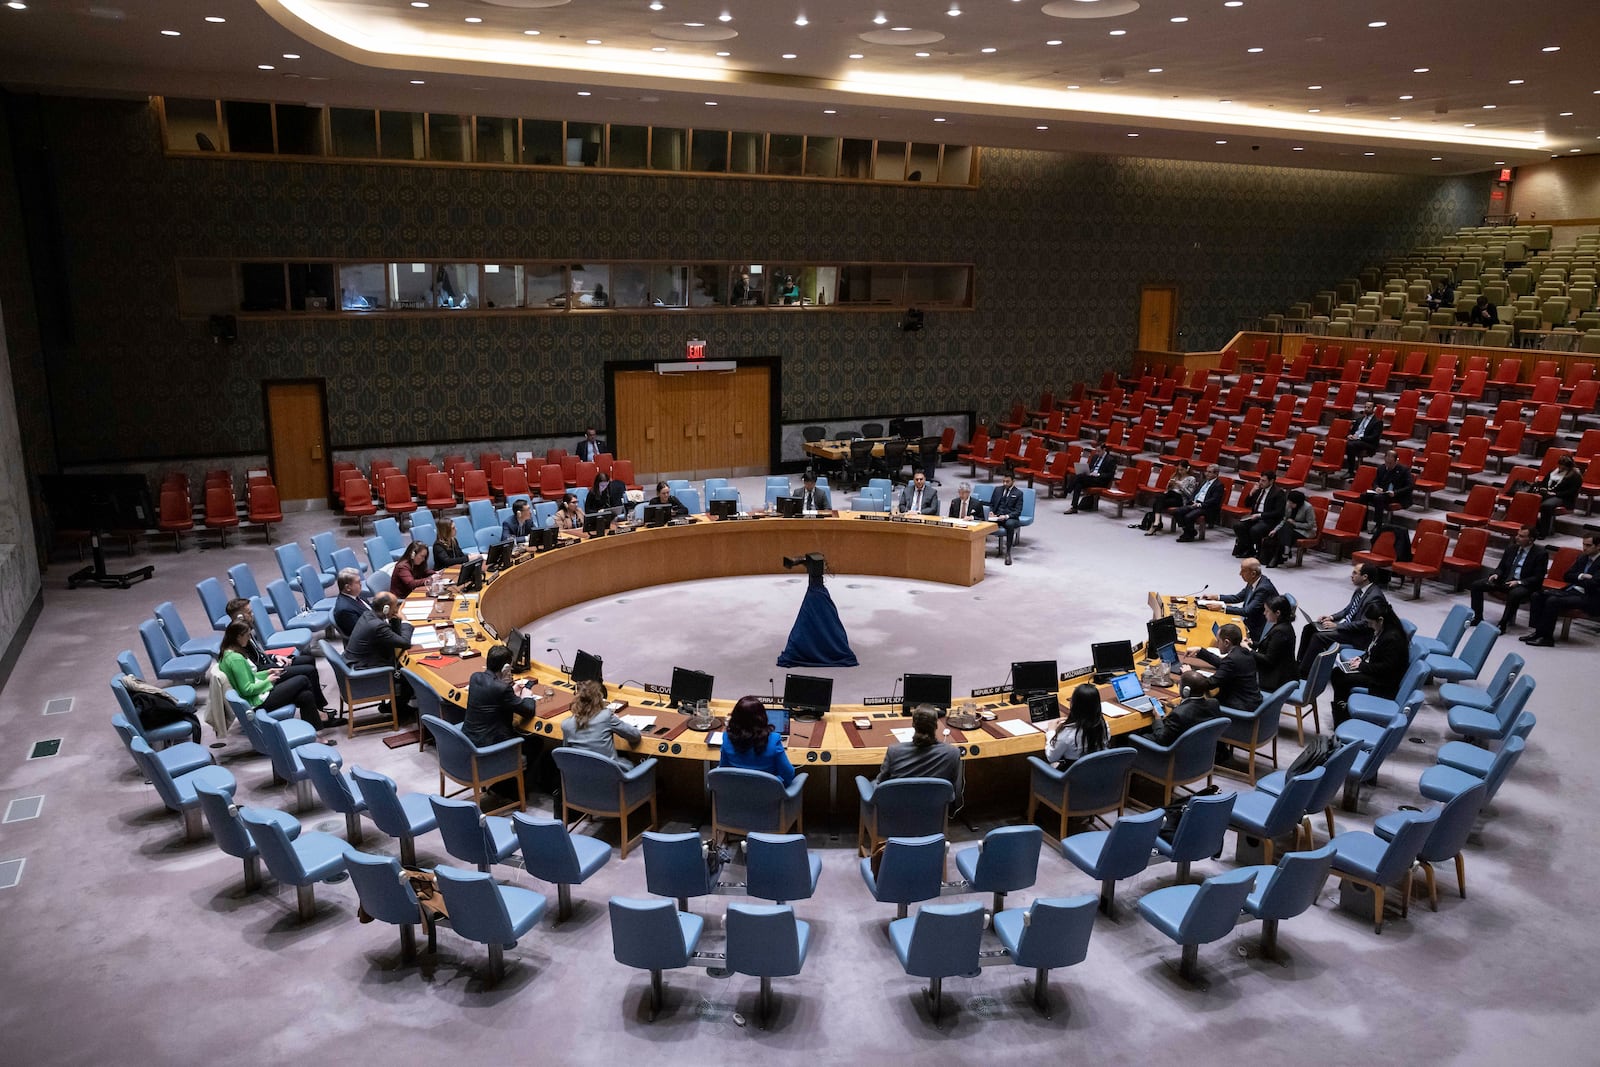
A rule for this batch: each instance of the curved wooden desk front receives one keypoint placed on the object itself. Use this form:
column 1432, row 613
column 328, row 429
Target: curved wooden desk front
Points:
column 996, row 773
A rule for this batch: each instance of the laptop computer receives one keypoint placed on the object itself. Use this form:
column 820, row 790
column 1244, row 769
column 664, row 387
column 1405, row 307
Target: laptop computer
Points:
column 1168, row 654
column 1130, row 693
column 779, row 718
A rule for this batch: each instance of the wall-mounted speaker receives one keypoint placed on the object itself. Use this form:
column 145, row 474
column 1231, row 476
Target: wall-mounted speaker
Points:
column 224, row 329
column 911, row 321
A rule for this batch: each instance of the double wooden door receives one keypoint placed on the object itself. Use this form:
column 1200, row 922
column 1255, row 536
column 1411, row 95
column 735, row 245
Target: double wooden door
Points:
column 694, row 424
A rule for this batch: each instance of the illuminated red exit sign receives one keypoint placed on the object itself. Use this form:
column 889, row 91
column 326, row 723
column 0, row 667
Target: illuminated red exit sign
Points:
column 694, row 348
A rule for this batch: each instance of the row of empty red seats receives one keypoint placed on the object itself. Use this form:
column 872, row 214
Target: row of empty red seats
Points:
column 176, row 514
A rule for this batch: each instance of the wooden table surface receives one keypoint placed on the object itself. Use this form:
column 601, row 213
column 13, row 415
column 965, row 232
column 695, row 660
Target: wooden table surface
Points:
column 839, row 451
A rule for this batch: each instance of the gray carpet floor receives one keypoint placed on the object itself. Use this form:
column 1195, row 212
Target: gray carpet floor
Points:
column 124, row 945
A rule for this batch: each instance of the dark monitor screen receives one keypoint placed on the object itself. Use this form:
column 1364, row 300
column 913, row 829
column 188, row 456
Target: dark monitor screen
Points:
column 1035, row 676
column 1162, row 631
column 905, row 428
column 1112, row 657
column 471, row 575
column 657, row 514
column 790, row 506
column 517, row 644
column 723, row 509
column 927, row 689
column 98, row 501
column 598, row 522
column 587, row 667
column 499, row 555
column 809, row 692
column 689, row 686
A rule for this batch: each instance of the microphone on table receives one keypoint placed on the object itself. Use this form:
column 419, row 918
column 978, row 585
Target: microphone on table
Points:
column 772, row 684
column 893, row 692
column 1195, row 594
column 564, row 668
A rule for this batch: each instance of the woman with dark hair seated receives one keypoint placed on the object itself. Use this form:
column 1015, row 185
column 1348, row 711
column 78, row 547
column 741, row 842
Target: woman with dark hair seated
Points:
column 1380, row 668
column 265, row 689
column 924, row 756
column 1082, row 732
column 749, row 743
column 1274, row 651
column 1299, row 521
column 411, row 570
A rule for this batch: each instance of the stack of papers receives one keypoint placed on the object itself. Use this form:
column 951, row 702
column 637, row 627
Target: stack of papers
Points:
column 639, row 722
column 416, row 610
column 903, row 734
column 427, row 637
column 1017, row 727
column 1114, row 711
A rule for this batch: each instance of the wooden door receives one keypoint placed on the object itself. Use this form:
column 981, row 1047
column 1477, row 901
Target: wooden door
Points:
column 297, row 446
column 1158, row 317
column 696, row 423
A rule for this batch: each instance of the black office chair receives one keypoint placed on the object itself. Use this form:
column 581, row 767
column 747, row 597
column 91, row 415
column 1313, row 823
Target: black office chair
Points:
column 928, row 457
column 872, row 429
column 858, row 468
column 813, row 434
column 894, row 458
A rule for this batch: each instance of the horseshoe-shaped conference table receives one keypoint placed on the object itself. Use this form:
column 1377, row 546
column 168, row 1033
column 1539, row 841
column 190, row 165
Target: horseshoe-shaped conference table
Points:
column 919, row 550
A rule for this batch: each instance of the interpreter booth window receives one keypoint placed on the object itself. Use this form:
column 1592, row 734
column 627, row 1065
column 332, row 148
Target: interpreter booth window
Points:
column 354, row 132
column 191, row 125
column 248, row 126
column 785, row 154
column 545, row 286
column 824, row 283
column 855, row 158
column 889, row 165
column 707, row 284
column 946, row 286
column 591, row 286
column 744, row 153
column 495, row 140
column 630, row 147
column 502, row 285
column 629, row 286
column 310, row 286
column 299, row 130
column 455, row 285
column 364, row 286
column 401, row 134
column 207, row 287
column 449, row 138
column 542, row 142
column 583, row 144
column 871, row 285
column 748, row 285
column 668, row 149
column 261, row 287
column 784, row 288
column 708, row 151
column 822, row 157
column 924, row 165
column 669, row 286
column 411, row 286
column 955, row 166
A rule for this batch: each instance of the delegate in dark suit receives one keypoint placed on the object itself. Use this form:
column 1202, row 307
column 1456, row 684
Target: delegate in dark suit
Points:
column 1348, row 627
column 492, row 709
column 1097, row 474
column 814, row 498
column 377, row 640
column 967, row 506
column 1191, row 711
column 347, row 610
column 1234, row 682
column 1365, row 438
column 1251, row 603
column 1274, row 654
column 1382, row 667
column 919, row 499
column 1391, row 485
column 1005, row 508
column 1207, row 504
column 1581, row 592
column 1519, row 576
column 588, row 448
column 1267, row 505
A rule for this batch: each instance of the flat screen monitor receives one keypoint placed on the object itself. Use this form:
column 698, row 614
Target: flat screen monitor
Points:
column 1112, row 657
column 499, row 555
column 1162, row 631
column 723, row 509
column 587, row 667
column 545, row 537
column 790, row 507
column 471, row 575
column 98, row 502
column 927, row 689
column 657, row 514
column 517, row 644
column 1043, row 707
column 905, row 428
column 806, row 694
column 598, row 522
column 689, row 687
column 1035, row 676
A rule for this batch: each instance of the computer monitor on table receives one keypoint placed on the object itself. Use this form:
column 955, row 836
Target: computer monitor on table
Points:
column 907, row 428
column 517, row 643
column 546, row 537
column 723, row 509
column 597, row 523
column 1034, row 676
column 790, row 507
column 498, row 557
column 807, row 696
column 657, row 514
column 587, row 667
column 1111, row 657
column 470, row 576
column 1160, row 632
column 926, row 689
column 689, row 687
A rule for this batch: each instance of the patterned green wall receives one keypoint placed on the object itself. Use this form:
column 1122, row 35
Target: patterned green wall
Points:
column 1061, row 244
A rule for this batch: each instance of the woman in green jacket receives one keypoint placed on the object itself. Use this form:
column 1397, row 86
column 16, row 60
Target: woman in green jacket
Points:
column 264, row 688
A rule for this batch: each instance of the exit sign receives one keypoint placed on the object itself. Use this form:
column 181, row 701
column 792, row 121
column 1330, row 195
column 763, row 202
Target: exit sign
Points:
column 694, row 348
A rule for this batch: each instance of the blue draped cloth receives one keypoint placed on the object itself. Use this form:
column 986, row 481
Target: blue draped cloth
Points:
column 818, row 638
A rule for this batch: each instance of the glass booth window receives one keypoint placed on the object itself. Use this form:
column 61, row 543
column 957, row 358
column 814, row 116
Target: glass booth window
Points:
column 299, row 130
column 248, row 126
column 630, row 146
column 784, row 288
column 411, row 285
column 502, row 285
column 583, row 144
column 191, row 125
column 354, row 132
column 400, row 134
column 669, row 286
column 937, row 285
column 310, row 286
column 455, row 285
column 924, row 166
column 363, row 287
column 745, row 155
column 261, row 287
column 707, row 285
column 591, row 285
column 541, row 142
column 545, row 286
column 496, row 140
column 206, row 287
column 822, row 157
column 855, row 158
column 630, row 287
column 890, row 163
column 708, row 151
column 784, row 151
column 667, row 149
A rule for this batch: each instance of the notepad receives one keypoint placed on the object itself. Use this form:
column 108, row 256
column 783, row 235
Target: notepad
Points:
column 903, row 734
column 714, row 739
column 640, row 722
column 426, row 639
column 1114, row 711
column 1017, row 727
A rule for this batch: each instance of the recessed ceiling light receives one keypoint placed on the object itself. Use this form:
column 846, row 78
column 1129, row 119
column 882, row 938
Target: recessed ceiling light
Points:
column 790, row 55
column 1074, row 87
column 171, row 33
column 209, row 18
column 1052, row 43
column 1233, row 3
column 583, row 92
column 724, row 17
column 724, row 55
column 593, row 40
column 1119, row 33
column 695, row 25
column 1436, row 159
column 1499, row 162
column 1297, row 148
column 829, row 111
column 418, row 81
column 1408, row 96
column 1133, row 135
column 291, row 55
column 1551, row 48
column 656, row 5
column 1156, row 70
column 265, row 66
column 1394, row 118
column 658, row 48
column 711, row 103
column 1376, row 26
column 1313, row 87
column 1257, row 49
column 418, row 3
column 801, row 20
column 1369, row 153
column 1469, row 125
column 1314, row 110
column 472, row 18
column 1420, row 70
column 1489, row 107
column 857, row 55
column 1574, row 150
column 1221, row 142
column 1041, row 127
column 923, row 55
column 1515, row 81
column 938, row 120
column 900, row 29
column 988, row 51
column 1566, row 114
column 954, row 11
column 1179, row 18
column 880, row 18
column 531, row 33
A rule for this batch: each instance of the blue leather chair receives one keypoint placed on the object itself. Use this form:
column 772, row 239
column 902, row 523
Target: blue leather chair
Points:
column 901, row 807
column 870, row 500
column 184, row 695
column 1257, row 728
column 779, row 867
column 1448, row 839
column 1195, row 915
column 543, row 512
column 271, row 636
column 1335, row 772
column 910, row 871
column 1369, row 860
column 324, row 544
column 675, row 866
column 167, row 665
column 288, row 758
column 472, row 837
column 178, row 759
column 388, row 529
column 1378, row 743
column 1007, row 860
column 232, row 835
column 243, row 580
column 466, row 534
column 941, row 941
column 593, row 785
column 491, row 914
column 1375, row 709
column 177, row 792
column 1308, row 690
column 1474, row 759
column 1030, row 502
column 654, row 936
column 1454, row 694
column 481, row 513
column 403, row 817
column 338, row 790
column 1200, row 831
column 288, row 609
column 551, row 854
column 314, row 600
column 1120, row 852
column 428, row 703
column 179, row 732
column 690, row 498
column 722, row 492
column 1443, row 782
column 291, row 559
column 386, row 896
column 1495, row 722
column 1451, row 631
column 766, row 941
column 301, row 861
column 1191, row 756
column 363, row 689
column 1269, row 816
column 745, row 802
column 214, row 600
column 1286, row 890
column 377, row 553
column 344, row 559
column 1096, row 784
column 1049, row 933
column 1474, row 654
column 178, row 633
column 296, row 732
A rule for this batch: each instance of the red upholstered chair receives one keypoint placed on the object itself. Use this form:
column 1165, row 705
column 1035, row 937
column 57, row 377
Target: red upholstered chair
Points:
column 221, row 513
column 1347, row 531
column 397, row 498
column 1465, row 560
column 475, row 486
column 437, row 492
column 1359, row 486
column 1524, row 511
column 358, row 501
column 265, row 508
column 1478, row 509
column 1435, row 471
column 1427, row 554
column 177, row 516
column 514, row 483
column 622, row 471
